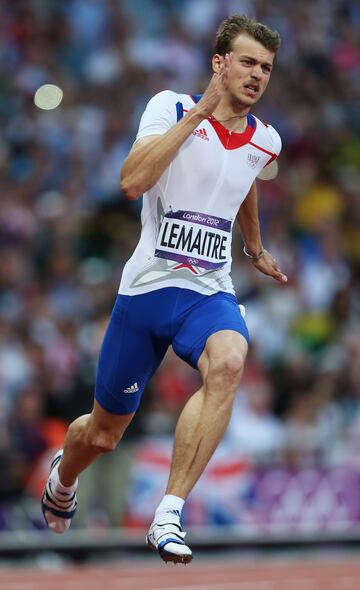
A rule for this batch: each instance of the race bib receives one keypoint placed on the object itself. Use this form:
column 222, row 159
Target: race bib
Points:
column 194, row 238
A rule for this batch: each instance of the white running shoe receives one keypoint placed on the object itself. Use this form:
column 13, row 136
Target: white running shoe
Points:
column 167, row 538
column 59, row 509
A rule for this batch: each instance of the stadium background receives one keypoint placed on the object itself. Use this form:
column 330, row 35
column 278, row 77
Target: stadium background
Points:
column 290, row 456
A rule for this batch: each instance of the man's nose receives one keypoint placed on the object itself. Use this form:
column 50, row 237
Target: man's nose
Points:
column 256, row 72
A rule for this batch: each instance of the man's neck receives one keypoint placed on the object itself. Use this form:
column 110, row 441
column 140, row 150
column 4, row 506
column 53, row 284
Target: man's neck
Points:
column 232, row 116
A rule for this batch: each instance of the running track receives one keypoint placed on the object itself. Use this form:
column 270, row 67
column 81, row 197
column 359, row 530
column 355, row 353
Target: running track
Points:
column 330, row 574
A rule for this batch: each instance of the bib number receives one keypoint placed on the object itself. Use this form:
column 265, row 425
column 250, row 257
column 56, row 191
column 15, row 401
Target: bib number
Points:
column 194, row 238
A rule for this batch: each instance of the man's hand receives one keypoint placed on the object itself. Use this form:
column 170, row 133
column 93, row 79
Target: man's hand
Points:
column 268, row 266
column 216, row 89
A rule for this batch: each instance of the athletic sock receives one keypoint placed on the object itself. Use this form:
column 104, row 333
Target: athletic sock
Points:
column 59, row 499
column 58, row 488
column 169, row 508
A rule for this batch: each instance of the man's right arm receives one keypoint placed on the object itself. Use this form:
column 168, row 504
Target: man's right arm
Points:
column 151, row 155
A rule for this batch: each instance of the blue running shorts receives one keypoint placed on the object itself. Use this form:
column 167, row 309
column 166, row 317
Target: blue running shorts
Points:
column 141, row 329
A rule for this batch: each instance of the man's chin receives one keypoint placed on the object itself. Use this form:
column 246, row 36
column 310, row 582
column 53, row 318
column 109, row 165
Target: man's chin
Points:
column 249, row 100
column 245, row 101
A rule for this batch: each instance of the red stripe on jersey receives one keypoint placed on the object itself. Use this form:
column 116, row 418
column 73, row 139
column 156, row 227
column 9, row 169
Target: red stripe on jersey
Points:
column 273, row 156
column 184, row 265
column 262, row 149
column 230, row 139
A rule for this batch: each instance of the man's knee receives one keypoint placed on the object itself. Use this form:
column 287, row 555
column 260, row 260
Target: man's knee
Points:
column 105, row 430
column 102, row 441
column 226, row 369
column 99, row 438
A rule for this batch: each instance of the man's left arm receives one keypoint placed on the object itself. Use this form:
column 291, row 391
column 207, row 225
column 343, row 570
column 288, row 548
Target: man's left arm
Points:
column 248, row 220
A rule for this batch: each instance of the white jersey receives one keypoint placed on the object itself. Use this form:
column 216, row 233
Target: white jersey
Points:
column 188, row 215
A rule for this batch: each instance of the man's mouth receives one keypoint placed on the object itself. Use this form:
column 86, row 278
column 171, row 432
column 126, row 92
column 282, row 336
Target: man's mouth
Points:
column 251, row 89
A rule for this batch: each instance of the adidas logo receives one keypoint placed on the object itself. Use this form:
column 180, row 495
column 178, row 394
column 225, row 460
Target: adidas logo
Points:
column 132, row 389
column 176, row 512
column 201, row 133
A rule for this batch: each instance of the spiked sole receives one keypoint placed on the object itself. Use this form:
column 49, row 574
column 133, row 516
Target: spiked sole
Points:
column 170, row 557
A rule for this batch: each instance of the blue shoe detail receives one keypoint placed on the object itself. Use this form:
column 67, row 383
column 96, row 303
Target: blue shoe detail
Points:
column 60, row 513
column 168, row 540
column 51, row 504
column 162, row 544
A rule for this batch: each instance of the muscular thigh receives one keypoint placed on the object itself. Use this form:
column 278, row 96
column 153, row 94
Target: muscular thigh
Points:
column 130, row 354
column 222, row 361
column 216, row 315
column 222, row 345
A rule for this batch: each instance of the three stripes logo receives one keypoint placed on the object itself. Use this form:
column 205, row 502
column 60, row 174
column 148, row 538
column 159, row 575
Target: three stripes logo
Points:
column 132, row 389
column 201, row 133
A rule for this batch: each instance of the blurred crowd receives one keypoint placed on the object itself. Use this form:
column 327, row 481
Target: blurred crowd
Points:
column 66, row 231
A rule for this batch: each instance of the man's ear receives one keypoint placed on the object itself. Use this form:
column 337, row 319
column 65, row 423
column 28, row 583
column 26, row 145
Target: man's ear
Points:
column 217, row 60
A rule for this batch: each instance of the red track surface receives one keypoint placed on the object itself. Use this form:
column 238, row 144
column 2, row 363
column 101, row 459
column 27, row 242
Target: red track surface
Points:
column 337, row 574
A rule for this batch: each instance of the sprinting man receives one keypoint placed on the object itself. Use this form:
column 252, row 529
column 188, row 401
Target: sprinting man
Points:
column 195, row 160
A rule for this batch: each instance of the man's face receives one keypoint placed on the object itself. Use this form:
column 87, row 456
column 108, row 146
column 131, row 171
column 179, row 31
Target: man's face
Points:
column 251, row 66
